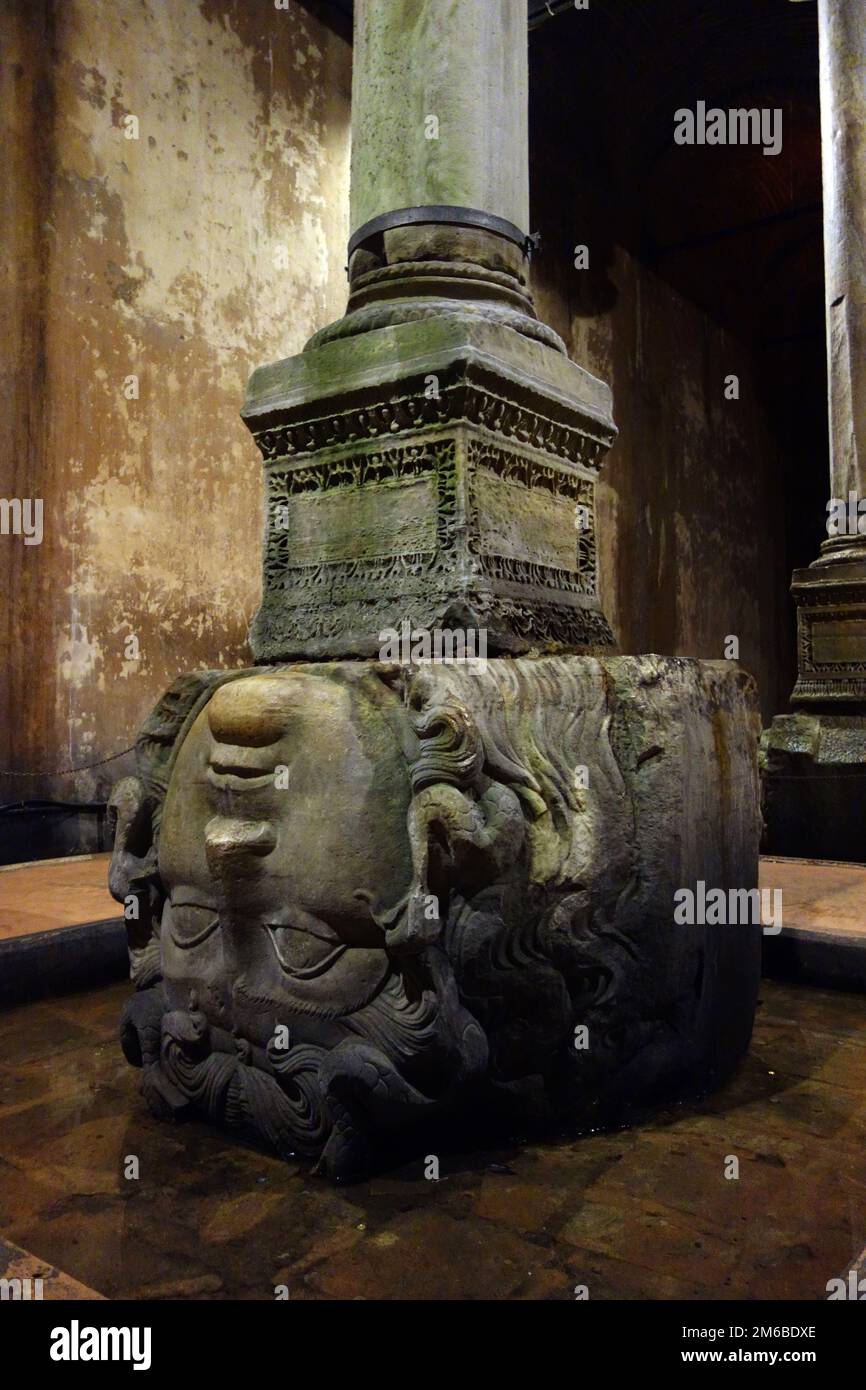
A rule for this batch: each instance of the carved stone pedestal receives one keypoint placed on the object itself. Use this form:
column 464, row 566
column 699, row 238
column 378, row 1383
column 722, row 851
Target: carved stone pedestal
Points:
column 813, row 762
column 439, row 471
column 374, row 898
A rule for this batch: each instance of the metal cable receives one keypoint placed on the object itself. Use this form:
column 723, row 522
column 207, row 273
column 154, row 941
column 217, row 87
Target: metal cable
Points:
column 68, row 771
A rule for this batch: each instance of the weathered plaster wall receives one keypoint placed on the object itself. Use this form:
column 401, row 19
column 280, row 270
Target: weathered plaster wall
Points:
column 25, row 104
column 690, row 513
column 212, row 243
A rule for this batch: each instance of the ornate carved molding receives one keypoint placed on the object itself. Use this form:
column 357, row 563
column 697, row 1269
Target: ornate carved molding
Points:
column 583, row 442
column 364, row 539
column 831, row 638
column 333, row 581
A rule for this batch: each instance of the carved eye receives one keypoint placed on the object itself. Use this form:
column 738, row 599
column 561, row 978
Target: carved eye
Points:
column 190, row 923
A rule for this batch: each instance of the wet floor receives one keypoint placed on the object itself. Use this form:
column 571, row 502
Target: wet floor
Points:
column 647, row 1213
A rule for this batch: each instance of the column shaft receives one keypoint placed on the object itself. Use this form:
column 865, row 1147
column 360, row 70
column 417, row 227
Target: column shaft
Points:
column 843, row 135
column 439, row 107
column 440, row 153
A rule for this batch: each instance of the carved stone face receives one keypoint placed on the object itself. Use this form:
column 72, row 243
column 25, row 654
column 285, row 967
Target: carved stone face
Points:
column 430, row 878
column 283, row 839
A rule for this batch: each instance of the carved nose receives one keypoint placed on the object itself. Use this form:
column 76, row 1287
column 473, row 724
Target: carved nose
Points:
column 250, row 713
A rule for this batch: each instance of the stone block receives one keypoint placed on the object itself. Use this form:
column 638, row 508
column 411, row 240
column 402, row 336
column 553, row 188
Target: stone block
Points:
column 439, row 472
column 813, row 776
column 377, row 898
column 831, row 636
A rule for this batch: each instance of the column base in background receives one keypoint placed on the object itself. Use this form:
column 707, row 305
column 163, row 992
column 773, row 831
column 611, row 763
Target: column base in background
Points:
column 814, row 786
column 831, row 630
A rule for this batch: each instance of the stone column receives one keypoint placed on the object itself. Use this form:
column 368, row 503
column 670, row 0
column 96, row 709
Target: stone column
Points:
column 815, row 760
column 439, row 109
column 843, row 141
column 440, row 156
column 449, row 447
column 392, row 891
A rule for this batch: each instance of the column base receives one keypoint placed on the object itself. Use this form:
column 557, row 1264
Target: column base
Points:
column 813, row 762
column 438, row 472
column 813, row 768
column 831, row 632
column 378, row 900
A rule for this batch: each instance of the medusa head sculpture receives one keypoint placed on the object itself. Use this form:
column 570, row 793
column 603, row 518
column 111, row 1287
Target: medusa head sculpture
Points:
column 369, row 897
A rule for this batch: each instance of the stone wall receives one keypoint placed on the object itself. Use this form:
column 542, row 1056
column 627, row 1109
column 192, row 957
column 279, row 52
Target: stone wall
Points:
column 211, row 243
column 690, row 495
